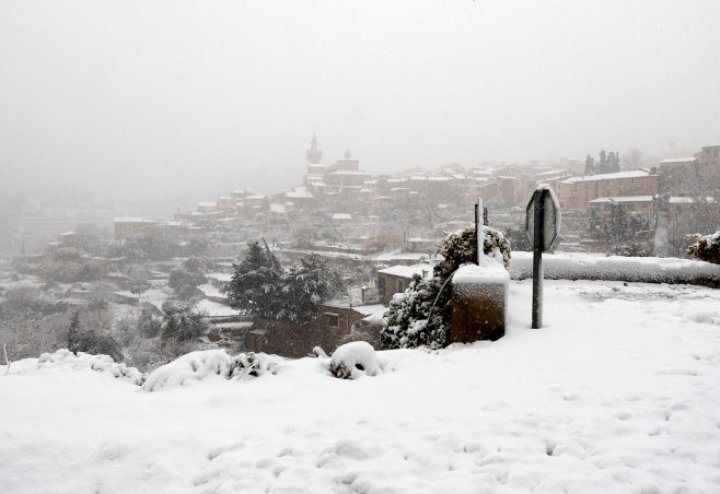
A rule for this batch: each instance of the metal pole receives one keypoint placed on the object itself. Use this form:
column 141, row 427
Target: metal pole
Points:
column 479, row 230
column 538, row 244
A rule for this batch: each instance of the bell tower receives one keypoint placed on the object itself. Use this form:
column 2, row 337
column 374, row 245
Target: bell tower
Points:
column 314, row 154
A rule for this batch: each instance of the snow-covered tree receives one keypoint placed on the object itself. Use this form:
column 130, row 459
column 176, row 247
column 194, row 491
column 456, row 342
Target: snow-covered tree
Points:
column 91, row 342
column 262, row 287
column 589, row 165
column 73, row 333
column 149, row 325
column 181, row 322
column 256, row 283
column 184, row 282
column 421, row 315
column 305, row 286
column 608, row 163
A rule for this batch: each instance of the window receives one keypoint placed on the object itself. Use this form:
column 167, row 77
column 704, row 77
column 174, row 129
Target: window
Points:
column 332, row 319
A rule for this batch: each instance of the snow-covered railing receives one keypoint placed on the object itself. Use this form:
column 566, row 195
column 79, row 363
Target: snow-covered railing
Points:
column 616, row 268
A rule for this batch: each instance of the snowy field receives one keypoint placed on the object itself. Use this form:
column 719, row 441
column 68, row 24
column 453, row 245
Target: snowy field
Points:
column 618, row 393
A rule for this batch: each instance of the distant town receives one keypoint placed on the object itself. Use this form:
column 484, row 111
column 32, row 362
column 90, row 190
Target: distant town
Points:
column 376, row 231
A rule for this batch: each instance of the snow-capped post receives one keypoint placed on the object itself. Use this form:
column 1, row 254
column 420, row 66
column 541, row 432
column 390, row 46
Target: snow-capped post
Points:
column 542, row 224
column 479, row 223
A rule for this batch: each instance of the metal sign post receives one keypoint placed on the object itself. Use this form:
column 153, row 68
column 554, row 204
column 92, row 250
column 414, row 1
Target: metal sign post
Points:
column 538, row 243
column 542, row 224
column 479, row 233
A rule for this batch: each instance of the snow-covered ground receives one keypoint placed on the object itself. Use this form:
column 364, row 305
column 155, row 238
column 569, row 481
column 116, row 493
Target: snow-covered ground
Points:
column 619, row 392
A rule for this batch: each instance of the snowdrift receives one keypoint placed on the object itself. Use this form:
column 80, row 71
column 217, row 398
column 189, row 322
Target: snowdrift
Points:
column 65, row 361
column 618, row 392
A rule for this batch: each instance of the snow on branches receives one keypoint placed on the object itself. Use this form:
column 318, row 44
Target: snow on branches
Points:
column 706, row 247
column 261, row 286
column 421, row 315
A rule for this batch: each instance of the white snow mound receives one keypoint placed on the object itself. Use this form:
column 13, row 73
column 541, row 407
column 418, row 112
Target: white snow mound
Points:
column 354, row 359
column 189, row 368
column 65, row 360
column 249, row 365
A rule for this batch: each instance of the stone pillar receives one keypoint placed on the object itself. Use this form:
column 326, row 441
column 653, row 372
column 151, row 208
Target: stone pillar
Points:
column 479, row 302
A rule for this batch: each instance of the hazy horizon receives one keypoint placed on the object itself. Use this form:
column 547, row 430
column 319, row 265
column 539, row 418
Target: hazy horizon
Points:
column 154, row 99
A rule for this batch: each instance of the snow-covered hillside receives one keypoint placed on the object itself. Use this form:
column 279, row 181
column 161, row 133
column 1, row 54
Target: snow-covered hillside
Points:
column 619, row 392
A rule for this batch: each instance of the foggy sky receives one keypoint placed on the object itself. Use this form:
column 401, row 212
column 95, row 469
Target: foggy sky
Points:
column 141, row 98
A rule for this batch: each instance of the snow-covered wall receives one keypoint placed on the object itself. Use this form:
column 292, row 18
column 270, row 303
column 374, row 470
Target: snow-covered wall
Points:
column 615, row 268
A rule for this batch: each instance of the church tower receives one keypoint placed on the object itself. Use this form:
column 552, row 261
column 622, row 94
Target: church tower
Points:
column 314, row 154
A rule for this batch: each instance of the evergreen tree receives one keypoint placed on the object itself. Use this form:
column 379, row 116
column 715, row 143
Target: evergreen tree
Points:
column 185, row 282
column 148, row 324
column 589, row 165
column 74, row 333
column 613, row 162
column 256, row 283
column 90, row 342
column 305, row 287
column 261, row 287
column 602, row 168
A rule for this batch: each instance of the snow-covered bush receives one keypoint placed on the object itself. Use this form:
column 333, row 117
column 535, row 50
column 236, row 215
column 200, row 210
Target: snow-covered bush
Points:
column 351, row 360
column 65, row 359
column 210, row 364
column 421, row 315
column 253, row 365
column 181, row 322
column 192, row 367
column 461, row 247
column 91, row 342
column 706, row 247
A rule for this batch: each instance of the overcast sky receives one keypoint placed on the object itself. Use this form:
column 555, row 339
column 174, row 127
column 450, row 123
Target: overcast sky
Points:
column 137, row 96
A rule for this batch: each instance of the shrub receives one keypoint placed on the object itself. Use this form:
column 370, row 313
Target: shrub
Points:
column 91, row 342
column 421, row 315
column 185, row 282
column 148, row 324
column 706, row 247
column 181, row 322
column 351, row 360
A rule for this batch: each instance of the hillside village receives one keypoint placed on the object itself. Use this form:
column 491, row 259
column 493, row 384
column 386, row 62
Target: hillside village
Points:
column 376, row 231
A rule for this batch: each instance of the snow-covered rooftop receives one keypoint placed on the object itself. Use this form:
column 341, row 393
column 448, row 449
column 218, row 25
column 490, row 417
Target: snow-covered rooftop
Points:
column 133, row 220
column 551, row 173
column 300, row 193
column 607, row 176
column 690, row 200
column 220, row 276
column 370, row 310
column 214, row 309
column 622, row 199
column 409, row 271
column 348, row 172
column 678, row 161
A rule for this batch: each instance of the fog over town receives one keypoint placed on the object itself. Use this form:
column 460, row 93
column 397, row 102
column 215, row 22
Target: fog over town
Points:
column 134, row 100
column 319, row 231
